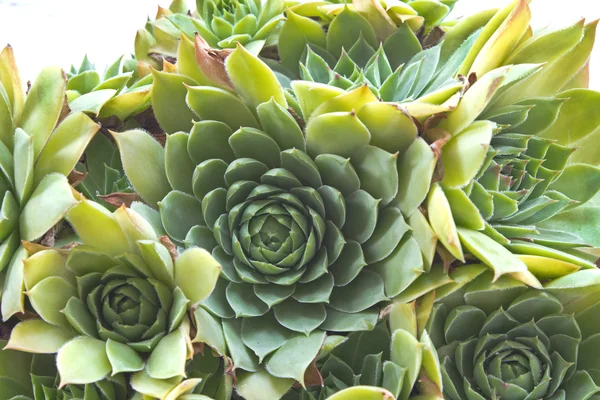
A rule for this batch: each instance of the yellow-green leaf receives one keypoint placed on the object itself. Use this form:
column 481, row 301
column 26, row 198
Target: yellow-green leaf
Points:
column 263, row 86
column 83, row 360
column 43, row 106
column 143, row 161
column 48, row 204
column 65, row 146
column 442, row 222
column 38, row 336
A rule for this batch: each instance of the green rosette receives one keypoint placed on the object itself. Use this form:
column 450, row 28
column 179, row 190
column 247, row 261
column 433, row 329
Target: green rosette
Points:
column 304, row 220
column 504, row 340
column 112, row 97
column 222, row 23
column 116, row 304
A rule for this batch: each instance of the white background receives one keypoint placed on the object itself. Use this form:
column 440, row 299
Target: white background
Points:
column 61, row 32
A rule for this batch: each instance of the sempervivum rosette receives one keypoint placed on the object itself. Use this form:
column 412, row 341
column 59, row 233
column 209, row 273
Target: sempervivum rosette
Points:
column 118, row 303
column 222, row 23
column 303, row 221
column 504, row 340
column 117, row 94
column 360, row 26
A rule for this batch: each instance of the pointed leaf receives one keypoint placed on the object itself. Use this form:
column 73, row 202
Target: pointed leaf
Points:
column 144, row 163
column 55, row 196
column 65, row 146
column 196, row 273
column 262, row 87
column 38, row 336
column 442, row 221
column 261, row 385
column 83, row 360
column 43, row 106
column 293, row 358
column 123, row 358
column 168, row 101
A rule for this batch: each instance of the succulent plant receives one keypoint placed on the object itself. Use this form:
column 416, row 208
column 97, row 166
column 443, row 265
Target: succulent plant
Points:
column 118, row 100
column 40, row 144
column 34, row 376
column 250, row 23
column 29, row 376
column 522, row 166
column 102, row 176
column 114, row 94
column 421, row 78
column 297, row 220
column 205, row 379
column 504, row 340
column 337, row 32
column 306, row 200
column 118, row 303
column 222, row 23
column 396, row 68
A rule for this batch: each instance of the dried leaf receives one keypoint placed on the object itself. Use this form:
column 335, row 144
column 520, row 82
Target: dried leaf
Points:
column 119, row 199
column 212, row 62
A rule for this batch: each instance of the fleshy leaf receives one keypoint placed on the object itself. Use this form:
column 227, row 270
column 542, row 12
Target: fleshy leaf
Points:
column 144, row 163
column 196, row 273
column 38, row 336
column 262, row 87
column 43, row 106
column 55, row 196
column 262, row 385
column 495, row 255
column 168, row 358
column 83, row 360
column 293, row 358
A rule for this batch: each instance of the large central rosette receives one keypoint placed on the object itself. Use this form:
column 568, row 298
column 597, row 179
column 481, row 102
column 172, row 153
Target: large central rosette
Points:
column 296, row 196
column 292, row 233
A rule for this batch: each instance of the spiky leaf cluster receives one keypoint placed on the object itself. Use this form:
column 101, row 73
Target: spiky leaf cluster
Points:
column 118, row 93
column 40, row 143
column 335, row 31
column 519, row 177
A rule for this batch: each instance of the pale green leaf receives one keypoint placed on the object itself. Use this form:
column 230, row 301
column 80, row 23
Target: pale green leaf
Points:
column 55, row 196
column 144, row 164
column 262, row 385
column 294, row 357
column 196, row 273
column 38, row 336
column 83, row 360
column 167, row 360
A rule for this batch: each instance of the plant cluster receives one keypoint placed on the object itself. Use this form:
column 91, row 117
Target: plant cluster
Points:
column 306, row 200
